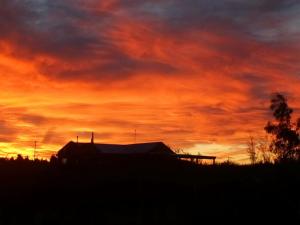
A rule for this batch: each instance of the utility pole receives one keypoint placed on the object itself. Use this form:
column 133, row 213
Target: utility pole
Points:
column 135, row 136
column 34, row 150
column 92, row 139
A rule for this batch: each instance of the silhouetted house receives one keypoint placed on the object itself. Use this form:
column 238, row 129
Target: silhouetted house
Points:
column 88, row 152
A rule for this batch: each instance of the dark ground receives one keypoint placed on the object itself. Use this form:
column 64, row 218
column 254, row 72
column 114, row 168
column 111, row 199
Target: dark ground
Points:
column 146, row 192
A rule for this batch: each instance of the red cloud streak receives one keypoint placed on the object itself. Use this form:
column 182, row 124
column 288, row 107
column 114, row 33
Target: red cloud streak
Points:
column 199, row 83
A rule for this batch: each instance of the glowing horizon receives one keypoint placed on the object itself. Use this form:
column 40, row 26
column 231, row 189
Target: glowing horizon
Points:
column 196, row 75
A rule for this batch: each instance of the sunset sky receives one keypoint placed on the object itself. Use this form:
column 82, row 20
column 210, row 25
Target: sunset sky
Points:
column 196, row 74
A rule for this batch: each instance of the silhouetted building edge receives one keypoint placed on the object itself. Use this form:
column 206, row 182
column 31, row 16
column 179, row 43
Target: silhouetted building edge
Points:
column 75, row 152
column 79, row 152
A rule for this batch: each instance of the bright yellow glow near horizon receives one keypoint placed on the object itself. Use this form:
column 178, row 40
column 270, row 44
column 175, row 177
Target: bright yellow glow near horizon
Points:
column 200, row 86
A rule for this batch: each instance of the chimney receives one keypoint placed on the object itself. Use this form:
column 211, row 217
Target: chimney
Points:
column 92, row 140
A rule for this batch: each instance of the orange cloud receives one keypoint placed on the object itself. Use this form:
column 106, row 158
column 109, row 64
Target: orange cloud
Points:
column 175, row 73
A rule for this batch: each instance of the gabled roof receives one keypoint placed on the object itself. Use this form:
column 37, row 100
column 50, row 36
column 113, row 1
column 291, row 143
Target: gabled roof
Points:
column 73, row 148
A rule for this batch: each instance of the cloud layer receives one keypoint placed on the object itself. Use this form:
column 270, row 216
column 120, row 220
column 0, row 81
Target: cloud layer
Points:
column 186, row 72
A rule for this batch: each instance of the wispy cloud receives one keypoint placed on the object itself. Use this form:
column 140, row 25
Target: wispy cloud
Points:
column 185, row 72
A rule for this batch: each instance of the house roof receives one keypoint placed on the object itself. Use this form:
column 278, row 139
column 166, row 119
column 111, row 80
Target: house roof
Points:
column 129, row 149
column 141, row 148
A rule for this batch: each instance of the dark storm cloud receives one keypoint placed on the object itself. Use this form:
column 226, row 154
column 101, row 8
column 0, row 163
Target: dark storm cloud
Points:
column 202, row 12
column 48, row 27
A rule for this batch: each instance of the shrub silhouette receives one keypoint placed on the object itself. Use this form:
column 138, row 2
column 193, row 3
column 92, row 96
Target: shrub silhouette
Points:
column 143, row 192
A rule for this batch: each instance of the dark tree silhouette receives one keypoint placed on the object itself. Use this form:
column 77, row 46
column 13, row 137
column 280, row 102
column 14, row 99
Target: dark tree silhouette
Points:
column 19, row 157
column 53, row 160
column 285, row 143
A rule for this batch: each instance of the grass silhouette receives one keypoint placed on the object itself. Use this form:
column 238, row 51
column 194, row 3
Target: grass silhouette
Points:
column 145, row 192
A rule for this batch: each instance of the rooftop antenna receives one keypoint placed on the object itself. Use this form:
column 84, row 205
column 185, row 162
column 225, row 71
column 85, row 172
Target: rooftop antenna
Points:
column 92, row 139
